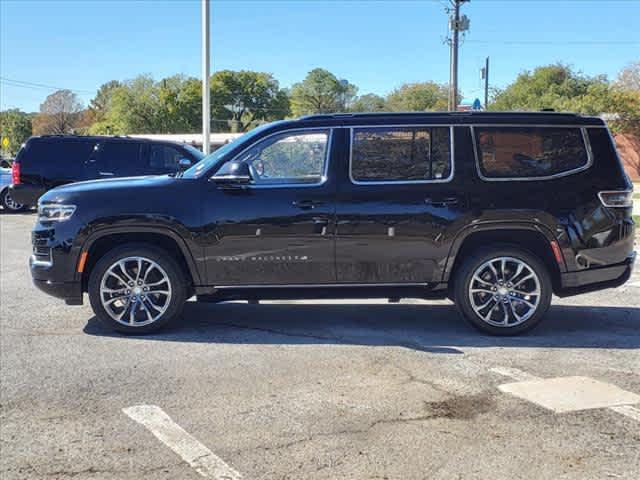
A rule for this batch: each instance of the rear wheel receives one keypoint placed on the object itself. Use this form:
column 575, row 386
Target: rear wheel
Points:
column 9, row 204
column 503, row 291
column 137, row 289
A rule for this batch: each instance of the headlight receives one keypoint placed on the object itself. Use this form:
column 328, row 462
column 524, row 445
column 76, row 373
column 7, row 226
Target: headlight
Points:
column 55, row 213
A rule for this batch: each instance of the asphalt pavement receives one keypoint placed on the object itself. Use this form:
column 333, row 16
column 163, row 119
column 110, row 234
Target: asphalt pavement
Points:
column 314, row 390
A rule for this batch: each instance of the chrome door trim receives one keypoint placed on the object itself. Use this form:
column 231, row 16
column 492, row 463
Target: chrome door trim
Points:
column 323, row 285
column 585, row 139
column 403, row 182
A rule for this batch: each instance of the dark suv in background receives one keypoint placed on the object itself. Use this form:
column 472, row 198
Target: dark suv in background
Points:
column 49, row 161
column 495, row 211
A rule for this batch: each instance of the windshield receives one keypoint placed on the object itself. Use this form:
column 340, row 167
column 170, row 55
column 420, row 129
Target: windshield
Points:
column 214, row 157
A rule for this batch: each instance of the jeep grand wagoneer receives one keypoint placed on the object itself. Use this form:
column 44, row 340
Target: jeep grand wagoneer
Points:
column 497, row 211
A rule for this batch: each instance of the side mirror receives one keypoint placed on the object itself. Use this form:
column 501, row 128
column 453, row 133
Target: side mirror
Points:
column 232, row 173
column 184, row 163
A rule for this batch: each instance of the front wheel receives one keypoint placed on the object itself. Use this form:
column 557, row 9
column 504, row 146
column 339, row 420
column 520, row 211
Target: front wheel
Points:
column 9, row 204
column 137, row 289
column 503, row 291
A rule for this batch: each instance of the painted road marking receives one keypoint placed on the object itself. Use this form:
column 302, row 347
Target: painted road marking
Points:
column 203, row 460
column 628, row 410
column 569, row 394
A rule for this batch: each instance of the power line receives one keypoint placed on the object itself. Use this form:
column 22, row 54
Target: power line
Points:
column 36, row 86
column 555, row 42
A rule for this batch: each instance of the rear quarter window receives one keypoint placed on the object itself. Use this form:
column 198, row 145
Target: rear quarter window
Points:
column 61, row 159
column 529, row 153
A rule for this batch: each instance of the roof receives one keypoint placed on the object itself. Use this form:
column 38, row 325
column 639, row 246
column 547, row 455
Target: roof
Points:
column 102, row 138
column 463, row 118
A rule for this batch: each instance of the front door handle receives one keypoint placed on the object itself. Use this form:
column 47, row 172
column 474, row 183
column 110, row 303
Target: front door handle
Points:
column 307, row 204
column 441, row 202
column 107, row 174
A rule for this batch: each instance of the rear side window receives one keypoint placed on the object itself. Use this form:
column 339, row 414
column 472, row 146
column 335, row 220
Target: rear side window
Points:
column 164, row 157
column 529, row 152
column 62, row 158
column 400, row 154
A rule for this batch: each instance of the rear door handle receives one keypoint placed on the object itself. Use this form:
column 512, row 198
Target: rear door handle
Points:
column 441, row 202
column 307, row 204
column 107, row 174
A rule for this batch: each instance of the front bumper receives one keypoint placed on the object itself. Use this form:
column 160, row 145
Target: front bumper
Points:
column 593, row 279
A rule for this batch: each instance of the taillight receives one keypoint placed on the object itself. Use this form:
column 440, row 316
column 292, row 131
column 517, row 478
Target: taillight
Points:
column 15, row 173
column 616, row 198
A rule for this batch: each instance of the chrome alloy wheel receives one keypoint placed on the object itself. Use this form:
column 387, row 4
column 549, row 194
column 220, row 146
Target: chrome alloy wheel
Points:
column 11, row 203
column 504, row 292
column 135, row 291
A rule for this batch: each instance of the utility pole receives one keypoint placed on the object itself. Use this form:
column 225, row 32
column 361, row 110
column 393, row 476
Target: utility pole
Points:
column 485, row 77
column 206, row 101
column 457, row 24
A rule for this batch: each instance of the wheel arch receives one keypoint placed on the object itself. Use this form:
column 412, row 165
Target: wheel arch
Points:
column 101, row 242
column 532, row 237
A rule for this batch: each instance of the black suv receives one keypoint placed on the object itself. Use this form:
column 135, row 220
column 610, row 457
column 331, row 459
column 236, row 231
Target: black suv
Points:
column 49, row 161
column 497, row 211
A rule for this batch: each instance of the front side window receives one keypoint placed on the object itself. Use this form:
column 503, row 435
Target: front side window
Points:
column 164, row 157
column 288, row 158
column 404, row 154
column 529, row 152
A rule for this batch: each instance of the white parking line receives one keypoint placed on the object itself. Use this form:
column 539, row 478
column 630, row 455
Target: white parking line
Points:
column 203, row 460
column 566, row 394
column 628, row 410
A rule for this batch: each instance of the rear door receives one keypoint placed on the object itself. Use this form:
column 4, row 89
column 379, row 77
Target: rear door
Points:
column 395, row 202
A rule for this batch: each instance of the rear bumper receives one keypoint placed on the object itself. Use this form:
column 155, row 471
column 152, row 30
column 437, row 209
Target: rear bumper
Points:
column 593, row 279
column 26, row 194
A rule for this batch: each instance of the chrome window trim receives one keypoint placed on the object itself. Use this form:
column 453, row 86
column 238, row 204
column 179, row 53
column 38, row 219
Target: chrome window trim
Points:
column 585, row 139
column 324, row 285
column 403, row 182
column 327, row 158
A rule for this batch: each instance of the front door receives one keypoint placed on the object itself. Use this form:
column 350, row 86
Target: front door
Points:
column 279, row 229
column 396, row 201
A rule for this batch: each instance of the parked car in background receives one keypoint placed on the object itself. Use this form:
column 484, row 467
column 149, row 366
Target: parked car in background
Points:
column 497, row 211
column 6, row 200
column 50, row 161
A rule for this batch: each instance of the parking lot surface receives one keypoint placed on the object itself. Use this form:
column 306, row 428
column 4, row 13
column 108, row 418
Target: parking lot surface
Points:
column 315, row 390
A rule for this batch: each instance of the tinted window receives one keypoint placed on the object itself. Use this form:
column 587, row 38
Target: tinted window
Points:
column 400, row 154
column 121, row 158
column 529, row 152
column 62, row 159
column 164, row 157
column 294, row 157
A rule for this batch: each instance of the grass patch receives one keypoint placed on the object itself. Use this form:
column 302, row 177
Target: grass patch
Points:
column 636, row 220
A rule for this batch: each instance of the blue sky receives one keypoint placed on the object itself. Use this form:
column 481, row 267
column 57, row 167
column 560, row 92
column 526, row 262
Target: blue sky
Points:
column 378, row 45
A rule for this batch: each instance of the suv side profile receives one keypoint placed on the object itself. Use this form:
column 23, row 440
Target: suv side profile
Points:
column 497, row 211
column 46, row 162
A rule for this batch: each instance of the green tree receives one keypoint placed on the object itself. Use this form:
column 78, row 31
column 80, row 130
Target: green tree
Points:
column 59, row 114
column 418, row 97
column 15, row 126
column 243, row 98
column 369, row 103
column 100, row 104
column 321, row 92
column 561, row 88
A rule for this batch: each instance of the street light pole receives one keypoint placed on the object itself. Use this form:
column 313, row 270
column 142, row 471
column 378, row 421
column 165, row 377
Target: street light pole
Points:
column 206, row 101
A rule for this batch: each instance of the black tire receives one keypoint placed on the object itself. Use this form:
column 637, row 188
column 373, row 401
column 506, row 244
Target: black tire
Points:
column 176, row 278
column 8, row 205
column 476, row 260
